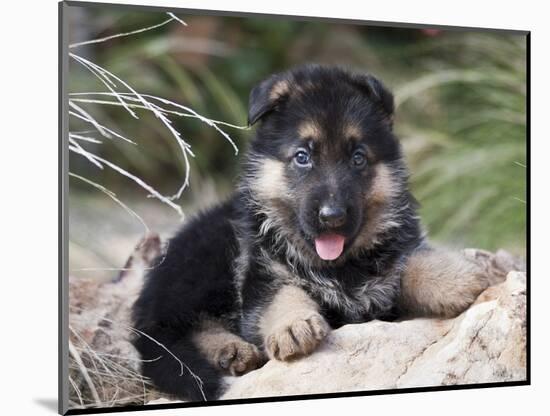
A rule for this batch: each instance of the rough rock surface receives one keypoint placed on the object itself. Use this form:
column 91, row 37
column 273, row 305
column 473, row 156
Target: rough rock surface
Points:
column 486, row 343
column 104, row 367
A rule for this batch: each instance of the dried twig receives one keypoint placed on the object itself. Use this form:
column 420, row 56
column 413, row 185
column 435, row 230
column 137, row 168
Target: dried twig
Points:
column 84, row 371
column 133, row 32
column 106, row 77
column 173, row 16
column 103, row 130
column 77, row 391
column 124, row 269
column 112, row 195
column 164, row 110
column 135, row 178
column 183, row 366
column 133, row 99
column 76, row 136
column 83, row 152
column 99, row 73
column 181, row 363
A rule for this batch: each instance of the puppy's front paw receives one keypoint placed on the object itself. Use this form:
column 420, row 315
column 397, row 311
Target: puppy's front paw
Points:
column 297, row 338
column 239, row 357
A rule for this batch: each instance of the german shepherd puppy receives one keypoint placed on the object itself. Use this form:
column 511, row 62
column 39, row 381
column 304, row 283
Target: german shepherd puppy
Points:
column 322, row 231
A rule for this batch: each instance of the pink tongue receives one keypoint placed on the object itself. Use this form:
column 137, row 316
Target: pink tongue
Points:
column 329, row 246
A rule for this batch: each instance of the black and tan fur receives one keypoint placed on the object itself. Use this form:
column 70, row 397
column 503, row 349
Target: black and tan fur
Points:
column 245, row 282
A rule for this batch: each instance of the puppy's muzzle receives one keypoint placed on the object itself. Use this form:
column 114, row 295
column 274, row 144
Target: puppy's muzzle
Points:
column 332, row 216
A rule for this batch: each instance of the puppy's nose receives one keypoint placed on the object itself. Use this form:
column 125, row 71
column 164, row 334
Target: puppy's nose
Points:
column 332, row 216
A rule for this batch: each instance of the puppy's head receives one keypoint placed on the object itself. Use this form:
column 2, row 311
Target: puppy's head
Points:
column 322, row 164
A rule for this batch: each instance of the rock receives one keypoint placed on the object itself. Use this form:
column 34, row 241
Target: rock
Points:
column 496, row 265
column 104, row 367
column 487, row 343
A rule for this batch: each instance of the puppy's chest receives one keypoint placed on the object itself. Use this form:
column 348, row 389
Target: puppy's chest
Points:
column 355, row 298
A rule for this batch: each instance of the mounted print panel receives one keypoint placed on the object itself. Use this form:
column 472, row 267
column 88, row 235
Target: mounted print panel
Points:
column 264, row 208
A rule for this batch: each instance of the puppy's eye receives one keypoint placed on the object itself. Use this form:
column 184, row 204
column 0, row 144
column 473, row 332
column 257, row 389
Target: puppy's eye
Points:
column 359, row 159
column 302, row 158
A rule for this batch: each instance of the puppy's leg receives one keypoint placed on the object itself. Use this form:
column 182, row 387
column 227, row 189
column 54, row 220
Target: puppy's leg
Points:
column 226, row 350
column 291, row 325
column 441, row 283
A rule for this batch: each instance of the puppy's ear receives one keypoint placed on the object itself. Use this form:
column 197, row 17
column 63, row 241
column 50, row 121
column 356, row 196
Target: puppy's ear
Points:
column 265, row 96
column 377, row 92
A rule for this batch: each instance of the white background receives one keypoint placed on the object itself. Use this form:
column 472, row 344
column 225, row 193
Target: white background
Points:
column 28, row 99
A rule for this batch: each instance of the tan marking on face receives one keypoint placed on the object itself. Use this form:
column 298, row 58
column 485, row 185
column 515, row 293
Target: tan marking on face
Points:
column 279, row 89
column 352, row 131
column 270, row 182
column 309, row 130
column 384, row 187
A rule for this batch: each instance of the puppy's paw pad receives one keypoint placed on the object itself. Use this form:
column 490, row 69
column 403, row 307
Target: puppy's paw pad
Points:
column 239, row 357
column 298, row 338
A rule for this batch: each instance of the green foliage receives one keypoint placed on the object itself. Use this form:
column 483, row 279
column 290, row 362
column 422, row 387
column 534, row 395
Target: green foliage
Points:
column 461, row 107
column 471, row 175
